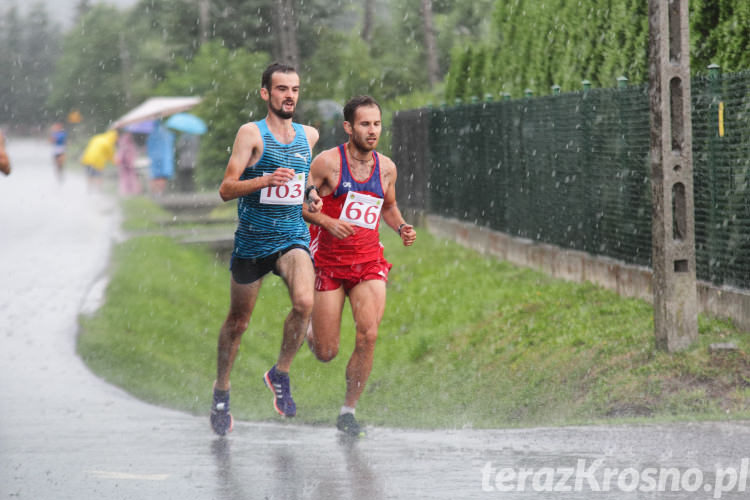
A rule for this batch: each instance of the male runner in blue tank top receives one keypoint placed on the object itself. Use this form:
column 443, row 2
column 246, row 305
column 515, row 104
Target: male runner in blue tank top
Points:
column 267, row 171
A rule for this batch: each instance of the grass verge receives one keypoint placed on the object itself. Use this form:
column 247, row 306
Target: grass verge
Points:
column 466, row 341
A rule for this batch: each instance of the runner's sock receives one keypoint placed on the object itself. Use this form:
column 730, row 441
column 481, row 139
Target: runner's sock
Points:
column 347, row 409
column 221, row 394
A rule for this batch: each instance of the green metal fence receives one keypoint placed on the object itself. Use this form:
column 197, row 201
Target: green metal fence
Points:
column 573, row 170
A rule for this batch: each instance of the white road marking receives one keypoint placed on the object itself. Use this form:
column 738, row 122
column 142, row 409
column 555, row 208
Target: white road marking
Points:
column 103, row 474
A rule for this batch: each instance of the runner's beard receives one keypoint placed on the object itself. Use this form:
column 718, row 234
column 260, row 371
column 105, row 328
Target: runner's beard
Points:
column 363, row 145
column 281, row 113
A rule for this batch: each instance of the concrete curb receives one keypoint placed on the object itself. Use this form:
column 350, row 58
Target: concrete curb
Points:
column 576, row 266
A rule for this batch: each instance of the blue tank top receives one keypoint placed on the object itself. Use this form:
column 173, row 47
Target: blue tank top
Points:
column 265, row 229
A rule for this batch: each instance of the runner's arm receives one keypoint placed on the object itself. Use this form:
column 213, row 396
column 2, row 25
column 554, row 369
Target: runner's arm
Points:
column 247, row 142
column 392, row 215
column 320, row 170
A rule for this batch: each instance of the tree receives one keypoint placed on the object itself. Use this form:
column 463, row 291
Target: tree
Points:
column 368, row 19
column 285, row 22
column 430, row 48
column 704, row 19
column 87, row 75
column 228, row 80
column 40, row 49
column 10, row 58
column 28, row 48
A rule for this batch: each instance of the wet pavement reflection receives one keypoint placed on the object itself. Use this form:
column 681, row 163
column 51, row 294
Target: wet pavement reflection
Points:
column 66, row 434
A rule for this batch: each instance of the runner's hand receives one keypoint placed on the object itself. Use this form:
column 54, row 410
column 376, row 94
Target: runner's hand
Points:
column 339, row 228
column 280, row 176
column 314, row 202
column 408, row 235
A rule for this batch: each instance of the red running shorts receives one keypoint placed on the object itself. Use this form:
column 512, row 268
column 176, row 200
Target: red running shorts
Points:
column 331, row 277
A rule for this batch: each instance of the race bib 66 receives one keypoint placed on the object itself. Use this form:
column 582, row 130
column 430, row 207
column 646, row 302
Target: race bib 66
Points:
column 291, row 193
column 361, row 209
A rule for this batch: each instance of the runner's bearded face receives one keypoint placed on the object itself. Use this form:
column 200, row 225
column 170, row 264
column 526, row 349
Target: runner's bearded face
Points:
column 366, row 128
column 282, row 99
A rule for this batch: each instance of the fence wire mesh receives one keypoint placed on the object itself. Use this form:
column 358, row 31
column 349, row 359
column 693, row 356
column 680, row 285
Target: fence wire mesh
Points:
column 573, row 170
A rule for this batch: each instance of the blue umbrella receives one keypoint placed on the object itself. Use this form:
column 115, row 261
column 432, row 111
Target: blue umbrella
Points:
column 185, row 122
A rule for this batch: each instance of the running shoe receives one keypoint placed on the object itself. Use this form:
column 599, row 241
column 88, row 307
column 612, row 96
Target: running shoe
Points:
column 221, row 420
column 347, row 424
column 278, row 383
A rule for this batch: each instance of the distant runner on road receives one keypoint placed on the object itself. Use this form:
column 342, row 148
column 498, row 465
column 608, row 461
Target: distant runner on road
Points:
column 58, row 137
column 357, row 185
column 268, row 172
column 4, row 160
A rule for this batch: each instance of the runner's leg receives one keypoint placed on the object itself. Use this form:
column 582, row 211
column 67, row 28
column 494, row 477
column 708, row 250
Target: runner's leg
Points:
column 326, row 323
column 242, row 302
column 296, row 268
column 368, row 304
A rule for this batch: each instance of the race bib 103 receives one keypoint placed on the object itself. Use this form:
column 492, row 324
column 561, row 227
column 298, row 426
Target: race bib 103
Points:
column 361, row 209
column 291, row 193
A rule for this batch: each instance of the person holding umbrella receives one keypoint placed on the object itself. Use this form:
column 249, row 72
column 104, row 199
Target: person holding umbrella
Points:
column 160, row 149
column 191, row 127
column 127, row 152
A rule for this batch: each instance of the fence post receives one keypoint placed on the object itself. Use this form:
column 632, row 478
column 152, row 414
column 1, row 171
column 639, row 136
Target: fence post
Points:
column 673, row 225
column 622, row 151
column 715, row 111
column 587, row 183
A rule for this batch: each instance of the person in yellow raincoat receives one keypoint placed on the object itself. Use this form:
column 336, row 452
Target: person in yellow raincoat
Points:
column 99, row 151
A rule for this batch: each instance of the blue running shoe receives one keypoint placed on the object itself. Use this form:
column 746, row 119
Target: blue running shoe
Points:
column 221, row 420
column 278, row 383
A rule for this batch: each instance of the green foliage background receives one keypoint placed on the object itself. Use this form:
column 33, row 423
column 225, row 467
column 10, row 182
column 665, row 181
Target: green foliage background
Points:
column 534, row 44
column 111, row 60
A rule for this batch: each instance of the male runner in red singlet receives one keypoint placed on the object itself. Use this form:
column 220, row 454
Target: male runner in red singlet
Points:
column 357, row 186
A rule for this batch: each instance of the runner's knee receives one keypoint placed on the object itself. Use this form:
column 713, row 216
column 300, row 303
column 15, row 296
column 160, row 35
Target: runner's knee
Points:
column 236, row 325
column 326, row 353
column 366, row 337
column 302, row 304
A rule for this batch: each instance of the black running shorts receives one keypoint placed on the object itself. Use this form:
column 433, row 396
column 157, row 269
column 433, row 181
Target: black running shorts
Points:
column 246, row 271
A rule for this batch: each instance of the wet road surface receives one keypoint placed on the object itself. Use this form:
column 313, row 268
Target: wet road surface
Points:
column 65, row 434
